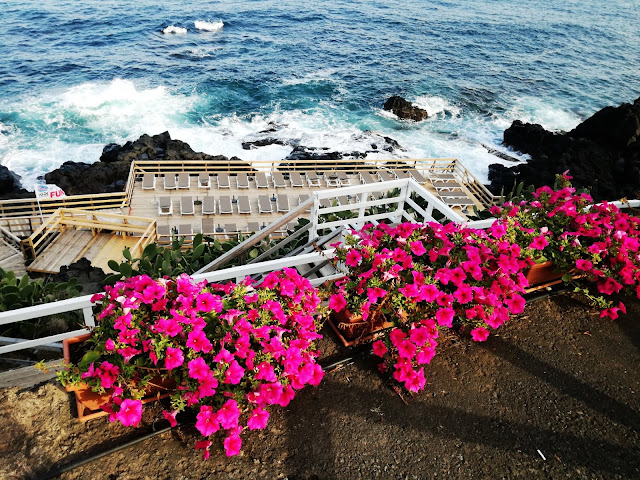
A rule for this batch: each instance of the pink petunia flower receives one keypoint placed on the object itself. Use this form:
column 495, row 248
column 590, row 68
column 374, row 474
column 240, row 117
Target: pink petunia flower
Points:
column 207, row 421
column 232, row 444
column 234, row 373
column 198, row 369
column 337, row 302
column 444, row 317
column 379, row 348
column 170, row 417
column 417, row 248
column 130, row 412
column 174, row 358
column 479, row 334
column 258, row 419
column 229, row 414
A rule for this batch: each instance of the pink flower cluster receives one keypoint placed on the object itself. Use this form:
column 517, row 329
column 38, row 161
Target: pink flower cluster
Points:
column 599, row 243
column 232, row 350
column 425, row 277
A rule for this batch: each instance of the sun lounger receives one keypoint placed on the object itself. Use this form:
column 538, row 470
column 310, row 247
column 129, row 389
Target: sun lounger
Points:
column 184, row 230
column 344, row 178
column 170, row 181
column 186, row 205
column 332, row 179
column 304, row 198
column 165, row 206
column 223, row 180
column 278, row 180
column 282, row 203
column 224, row 205
column 264, row 204
column 343, row 200
column 385, row 176
column 253, row 227
column 184, row 181
column 148, row 181
column 208, row 227
column 325, row 203
column 261, row 180
column 231, row 228
column 243, row 180
column 208, row 205
column 458, row 201
column 401, row 175
column 243, row 204
column 442, row 185
column 417, row 176
column 204, row 181
column 296, row 179
column 366, row 178
column 164, row 233
column 453, row 193
column 313, row 180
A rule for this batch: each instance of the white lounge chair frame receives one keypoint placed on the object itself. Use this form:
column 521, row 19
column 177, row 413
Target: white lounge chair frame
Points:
column 184, row 180
column 261, row 180
column 225, row 207
column 170, row 181
column 208, row 205
column 163, row 203
column 264, row 204
column 278, row 180
column 282, row 203
column 223, row 180
column 148, row 181
column 243, row 204
column 186, row 205
column 296, row 179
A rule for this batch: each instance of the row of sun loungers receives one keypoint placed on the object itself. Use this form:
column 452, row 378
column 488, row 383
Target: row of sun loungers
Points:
column 223, row 204
column 208, row 227
column 277, row 179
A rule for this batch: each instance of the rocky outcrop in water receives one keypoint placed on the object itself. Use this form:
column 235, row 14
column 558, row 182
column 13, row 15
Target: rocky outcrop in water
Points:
column 405, row 109
column 603, row 153
column 111, row 172
column 312, row 153
column 10, row 186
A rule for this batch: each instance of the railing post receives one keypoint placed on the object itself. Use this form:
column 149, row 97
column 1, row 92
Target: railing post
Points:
column 87, row 313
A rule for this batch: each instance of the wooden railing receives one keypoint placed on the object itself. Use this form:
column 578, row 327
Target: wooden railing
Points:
column 23, row 216
column 96, row 221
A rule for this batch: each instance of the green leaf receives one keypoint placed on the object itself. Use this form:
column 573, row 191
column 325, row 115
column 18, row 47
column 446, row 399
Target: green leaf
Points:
column 126, row 269
column 567, row 277
column 112, row 279
column 253, row 253
column 126, row 253
column 198, row 251
column 150, row 250
column 88, row 358
column 113, row 265
column 24, row 281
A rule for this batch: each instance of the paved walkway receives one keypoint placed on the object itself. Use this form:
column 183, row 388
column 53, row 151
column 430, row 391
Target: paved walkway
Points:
column 27, row 377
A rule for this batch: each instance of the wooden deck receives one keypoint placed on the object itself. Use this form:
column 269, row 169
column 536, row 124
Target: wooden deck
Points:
column 145, row 202
column 71, row 245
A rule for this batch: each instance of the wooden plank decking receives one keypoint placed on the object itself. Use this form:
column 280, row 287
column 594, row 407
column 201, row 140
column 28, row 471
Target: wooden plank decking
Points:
column 71, row 245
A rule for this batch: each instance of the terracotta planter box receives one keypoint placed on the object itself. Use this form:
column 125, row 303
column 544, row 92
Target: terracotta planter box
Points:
column 88, row 402
column 346, row 326
column 542, row 275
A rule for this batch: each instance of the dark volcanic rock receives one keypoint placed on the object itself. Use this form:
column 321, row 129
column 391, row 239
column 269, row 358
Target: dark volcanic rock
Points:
column 111, row 172
column 404, row 109
column 10, row 186
column 89, row 277
column 602, row 153
column 312, row 153
column 262, row 143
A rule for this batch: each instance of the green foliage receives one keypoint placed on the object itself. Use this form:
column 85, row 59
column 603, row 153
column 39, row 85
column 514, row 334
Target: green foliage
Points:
column 24, row 292
column 158, row 261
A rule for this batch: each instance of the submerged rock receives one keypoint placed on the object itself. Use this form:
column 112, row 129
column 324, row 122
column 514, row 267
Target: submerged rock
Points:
column 602, row 153
column 405, row 109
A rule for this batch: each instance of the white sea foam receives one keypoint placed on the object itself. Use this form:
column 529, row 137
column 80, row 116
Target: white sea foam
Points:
column 75, row 124
column 319, row 75
column 436, row 105
column 174, row 29
column 208, row 26
column 535, row 110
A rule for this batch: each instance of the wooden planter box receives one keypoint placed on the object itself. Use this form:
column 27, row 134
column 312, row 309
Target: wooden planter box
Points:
column 89, row 402
column 349, row 330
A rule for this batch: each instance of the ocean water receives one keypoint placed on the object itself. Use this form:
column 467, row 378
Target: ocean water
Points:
column 75, row 76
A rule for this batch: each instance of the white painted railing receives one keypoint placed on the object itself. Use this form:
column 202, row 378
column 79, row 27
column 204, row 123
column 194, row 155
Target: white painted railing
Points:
column 84, row 303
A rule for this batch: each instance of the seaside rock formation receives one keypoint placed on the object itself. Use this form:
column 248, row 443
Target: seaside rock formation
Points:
column 404, row 109
column 312, row 153
column 88, row 276
column 10, row 186
column 603, row 153
column 262, row 143
column 111, row 172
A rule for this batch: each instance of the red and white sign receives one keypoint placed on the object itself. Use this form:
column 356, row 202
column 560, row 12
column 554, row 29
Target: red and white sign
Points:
column 49, row 191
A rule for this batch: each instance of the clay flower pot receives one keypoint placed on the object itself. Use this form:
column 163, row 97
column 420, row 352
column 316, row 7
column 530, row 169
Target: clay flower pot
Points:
column 89, row 402
column 542, row 275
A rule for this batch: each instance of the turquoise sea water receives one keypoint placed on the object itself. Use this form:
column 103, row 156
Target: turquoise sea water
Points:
column 77, row 75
